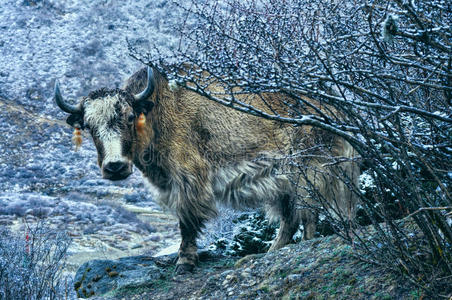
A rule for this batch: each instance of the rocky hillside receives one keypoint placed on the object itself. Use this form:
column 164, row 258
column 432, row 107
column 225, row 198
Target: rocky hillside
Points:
column 323, row 268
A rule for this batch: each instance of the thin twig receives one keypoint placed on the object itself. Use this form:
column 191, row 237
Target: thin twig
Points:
column 428, row 208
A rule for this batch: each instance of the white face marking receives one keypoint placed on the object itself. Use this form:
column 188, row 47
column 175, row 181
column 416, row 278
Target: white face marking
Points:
column 98, row 113
column 112, row 148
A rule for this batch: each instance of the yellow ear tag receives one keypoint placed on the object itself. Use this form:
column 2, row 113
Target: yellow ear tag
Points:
column 141, row 123
column 77, row 138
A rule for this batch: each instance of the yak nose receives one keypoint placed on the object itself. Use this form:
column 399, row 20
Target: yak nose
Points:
column 116, row 170
column 115, row 167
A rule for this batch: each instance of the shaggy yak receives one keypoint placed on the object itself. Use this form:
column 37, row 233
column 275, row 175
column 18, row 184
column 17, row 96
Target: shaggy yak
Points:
column 198, row 153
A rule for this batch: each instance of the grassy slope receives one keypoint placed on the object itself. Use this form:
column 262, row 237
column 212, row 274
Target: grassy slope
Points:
column 318, row 269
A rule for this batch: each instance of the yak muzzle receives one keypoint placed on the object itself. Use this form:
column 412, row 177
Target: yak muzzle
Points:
column 116, row 170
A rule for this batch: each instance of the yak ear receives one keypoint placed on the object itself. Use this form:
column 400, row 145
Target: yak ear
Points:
column 75, row 120
column 143, row 106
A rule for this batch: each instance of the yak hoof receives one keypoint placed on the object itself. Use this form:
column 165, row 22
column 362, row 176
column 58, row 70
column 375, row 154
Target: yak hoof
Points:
column 184, row 269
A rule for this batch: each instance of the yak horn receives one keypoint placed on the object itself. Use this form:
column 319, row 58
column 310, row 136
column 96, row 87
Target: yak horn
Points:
column 149, row 87
column 72, row 109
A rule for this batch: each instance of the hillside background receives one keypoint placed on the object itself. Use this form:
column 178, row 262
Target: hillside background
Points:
column 83, row 44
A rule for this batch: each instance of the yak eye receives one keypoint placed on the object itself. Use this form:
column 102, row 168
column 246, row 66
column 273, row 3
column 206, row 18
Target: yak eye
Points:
column 131, row 118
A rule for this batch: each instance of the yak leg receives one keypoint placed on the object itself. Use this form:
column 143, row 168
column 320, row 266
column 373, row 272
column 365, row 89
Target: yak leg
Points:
column 188, row 251
column 192, row 196
column 309, row 220
column 288, row 222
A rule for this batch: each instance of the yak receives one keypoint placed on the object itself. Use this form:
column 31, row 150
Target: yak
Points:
column 199, row 153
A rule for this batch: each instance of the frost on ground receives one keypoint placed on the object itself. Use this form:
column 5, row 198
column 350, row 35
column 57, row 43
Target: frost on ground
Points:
column 83, row 45
column 42, row 178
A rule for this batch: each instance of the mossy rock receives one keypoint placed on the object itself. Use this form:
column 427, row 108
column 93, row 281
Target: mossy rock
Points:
column 98, row 277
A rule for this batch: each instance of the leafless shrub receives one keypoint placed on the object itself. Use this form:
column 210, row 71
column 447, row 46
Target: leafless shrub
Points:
column 31, row 264
column 385, row 68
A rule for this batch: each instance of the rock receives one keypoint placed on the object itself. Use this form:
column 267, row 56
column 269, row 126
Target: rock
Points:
column 98, row 277
column 136, row 246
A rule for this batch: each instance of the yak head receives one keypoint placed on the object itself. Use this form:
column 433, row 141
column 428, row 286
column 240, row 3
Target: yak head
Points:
column 114, row 119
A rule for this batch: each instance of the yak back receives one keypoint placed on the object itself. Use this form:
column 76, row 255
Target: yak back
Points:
column 222, row 134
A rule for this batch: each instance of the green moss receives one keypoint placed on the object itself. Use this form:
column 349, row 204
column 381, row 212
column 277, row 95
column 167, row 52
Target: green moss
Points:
column 162, row 284
column 382, row 296
column 129, row 291
column 282, row 274
column 324, row 260
column 264, row 288
column 348, row 289
column 311, row 296
column 341, row 277
column 415, row 294
column 229, row 263
column 78, row 284
column 239, row 263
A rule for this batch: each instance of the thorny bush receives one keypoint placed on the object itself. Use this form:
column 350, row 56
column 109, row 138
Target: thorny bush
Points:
column 32, row 263
column 384, row 66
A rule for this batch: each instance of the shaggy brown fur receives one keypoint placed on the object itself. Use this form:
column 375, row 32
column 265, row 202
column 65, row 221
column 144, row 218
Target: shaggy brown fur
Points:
column 212, row 153
column 198, row 153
